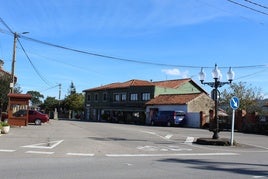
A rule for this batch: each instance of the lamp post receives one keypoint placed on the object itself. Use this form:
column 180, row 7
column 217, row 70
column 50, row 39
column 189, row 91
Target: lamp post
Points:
column 216, row 74
column 12, row 84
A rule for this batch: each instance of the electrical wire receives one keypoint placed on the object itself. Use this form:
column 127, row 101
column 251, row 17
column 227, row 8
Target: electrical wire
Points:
column 117, row 58
column 126, row 59
column 35, row 69
column 257, row 4
column 3, row 22
column 247, row 7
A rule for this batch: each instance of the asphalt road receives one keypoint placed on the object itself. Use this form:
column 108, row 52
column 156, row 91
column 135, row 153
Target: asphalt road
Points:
column 74, row 149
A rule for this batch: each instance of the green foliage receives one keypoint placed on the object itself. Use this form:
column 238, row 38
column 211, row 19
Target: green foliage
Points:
column 17, row 88
column 3, row 124
column 72, row 89
column 36, row 97
column 50, row 103
column 248, row 96
column 74, row 102
column 4, row 90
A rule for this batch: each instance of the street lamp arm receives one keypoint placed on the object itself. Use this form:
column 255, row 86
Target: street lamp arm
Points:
column 211, row 84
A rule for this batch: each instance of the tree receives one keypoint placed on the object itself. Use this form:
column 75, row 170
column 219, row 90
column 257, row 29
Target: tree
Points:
column 4, row 90
column 74, row 102
column 36, row 97
column 249, row 97
column 50, row 103
column 17, row 88
column 72, row 89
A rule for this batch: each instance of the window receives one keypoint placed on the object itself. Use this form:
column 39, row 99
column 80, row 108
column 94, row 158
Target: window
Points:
column 116, row 97
column 146, row 96
column 88, row 97
column 134, row 97
column 123, row 97
column 104, row 96
column 96, row 97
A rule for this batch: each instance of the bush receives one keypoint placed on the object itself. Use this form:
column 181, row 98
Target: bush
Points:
column 2, row 124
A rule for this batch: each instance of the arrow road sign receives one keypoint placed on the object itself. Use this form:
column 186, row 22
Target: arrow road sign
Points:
column 234, row 103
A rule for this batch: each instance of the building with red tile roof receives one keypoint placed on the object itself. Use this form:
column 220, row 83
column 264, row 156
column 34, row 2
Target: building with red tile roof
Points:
column 127, row 101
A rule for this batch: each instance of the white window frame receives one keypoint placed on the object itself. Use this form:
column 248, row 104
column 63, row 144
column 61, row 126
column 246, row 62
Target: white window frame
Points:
column 134, row 97
column 146, row 96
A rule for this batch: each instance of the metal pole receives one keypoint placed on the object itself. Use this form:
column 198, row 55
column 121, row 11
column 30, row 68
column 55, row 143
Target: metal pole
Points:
column 13, row 64
column 216, row 131
column 232, row 133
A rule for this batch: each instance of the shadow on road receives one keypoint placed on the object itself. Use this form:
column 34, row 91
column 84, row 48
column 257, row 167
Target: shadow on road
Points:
column 230, row 167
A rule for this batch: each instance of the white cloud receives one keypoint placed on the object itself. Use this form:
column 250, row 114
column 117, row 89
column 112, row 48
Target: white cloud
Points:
column 176, row 72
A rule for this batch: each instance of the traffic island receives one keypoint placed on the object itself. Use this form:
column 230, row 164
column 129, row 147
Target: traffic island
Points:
column 217, row 142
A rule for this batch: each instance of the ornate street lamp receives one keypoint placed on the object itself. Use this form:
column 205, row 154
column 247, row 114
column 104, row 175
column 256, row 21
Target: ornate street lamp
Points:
column 216, row 74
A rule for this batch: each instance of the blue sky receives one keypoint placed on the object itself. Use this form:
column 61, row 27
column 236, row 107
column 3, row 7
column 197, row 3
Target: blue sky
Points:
column 183, row 36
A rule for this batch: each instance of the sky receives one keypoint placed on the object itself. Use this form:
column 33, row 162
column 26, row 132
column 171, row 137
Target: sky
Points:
column 96, row 42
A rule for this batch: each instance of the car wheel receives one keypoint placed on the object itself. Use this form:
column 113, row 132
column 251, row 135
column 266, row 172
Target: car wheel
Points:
column 37, row 122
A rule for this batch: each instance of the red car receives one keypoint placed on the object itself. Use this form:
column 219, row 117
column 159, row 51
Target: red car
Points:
column 37, row 117
column 33, row 116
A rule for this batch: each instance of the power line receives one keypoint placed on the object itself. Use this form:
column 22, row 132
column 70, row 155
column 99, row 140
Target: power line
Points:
column 124, row 59
column 35, row 69
column 242, row 5
column 3, row 22
column 106, row 56
column 257, row 4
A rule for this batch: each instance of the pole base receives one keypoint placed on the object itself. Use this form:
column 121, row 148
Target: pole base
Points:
column 215, row 135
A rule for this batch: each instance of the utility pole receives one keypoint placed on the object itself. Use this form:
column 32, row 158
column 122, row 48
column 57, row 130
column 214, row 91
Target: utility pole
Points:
column 12, row 84
column 59, row 91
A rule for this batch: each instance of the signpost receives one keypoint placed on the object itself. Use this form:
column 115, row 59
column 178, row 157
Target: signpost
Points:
column 234, row 103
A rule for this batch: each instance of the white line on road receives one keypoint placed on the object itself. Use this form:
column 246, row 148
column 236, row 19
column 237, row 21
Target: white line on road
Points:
column 39, row 152
column 168, row 136
column 80, row 154
column 4, row 150
column 48, row 145
column 168, row 155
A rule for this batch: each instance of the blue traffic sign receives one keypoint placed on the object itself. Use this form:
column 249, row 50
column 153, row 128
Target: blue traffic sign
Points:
column 234, row 103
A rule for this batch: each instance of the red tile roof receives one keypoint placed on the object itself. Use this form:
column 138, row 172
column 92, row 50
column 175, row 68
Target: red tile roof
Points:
column 173, row 99
column 171, row 83
column 18, row 95
column 123, row 85
column 134, row 82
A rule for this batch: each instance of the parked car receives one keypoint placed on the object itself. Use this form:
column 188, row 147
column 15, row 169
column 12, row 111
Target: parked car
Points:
column 169, row 118
column 34, row 116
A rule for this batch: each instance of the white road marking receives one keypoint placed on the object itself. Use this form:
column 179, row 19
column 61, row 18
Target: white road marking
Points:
column 5, row 150
column 148, row 148
column 168, row 155
column 80, row 154
column 39, row 152
column 48, row 145
column 168, row 136
column 189, row 140
column 162, row 148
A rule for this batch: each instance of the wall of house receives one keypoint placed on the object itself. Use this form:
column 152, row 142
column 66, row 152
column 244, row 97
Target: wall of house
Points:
column 202, row 103
column 95, row 103
column 183, row 89
column 188, row 88
column 193, row 119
